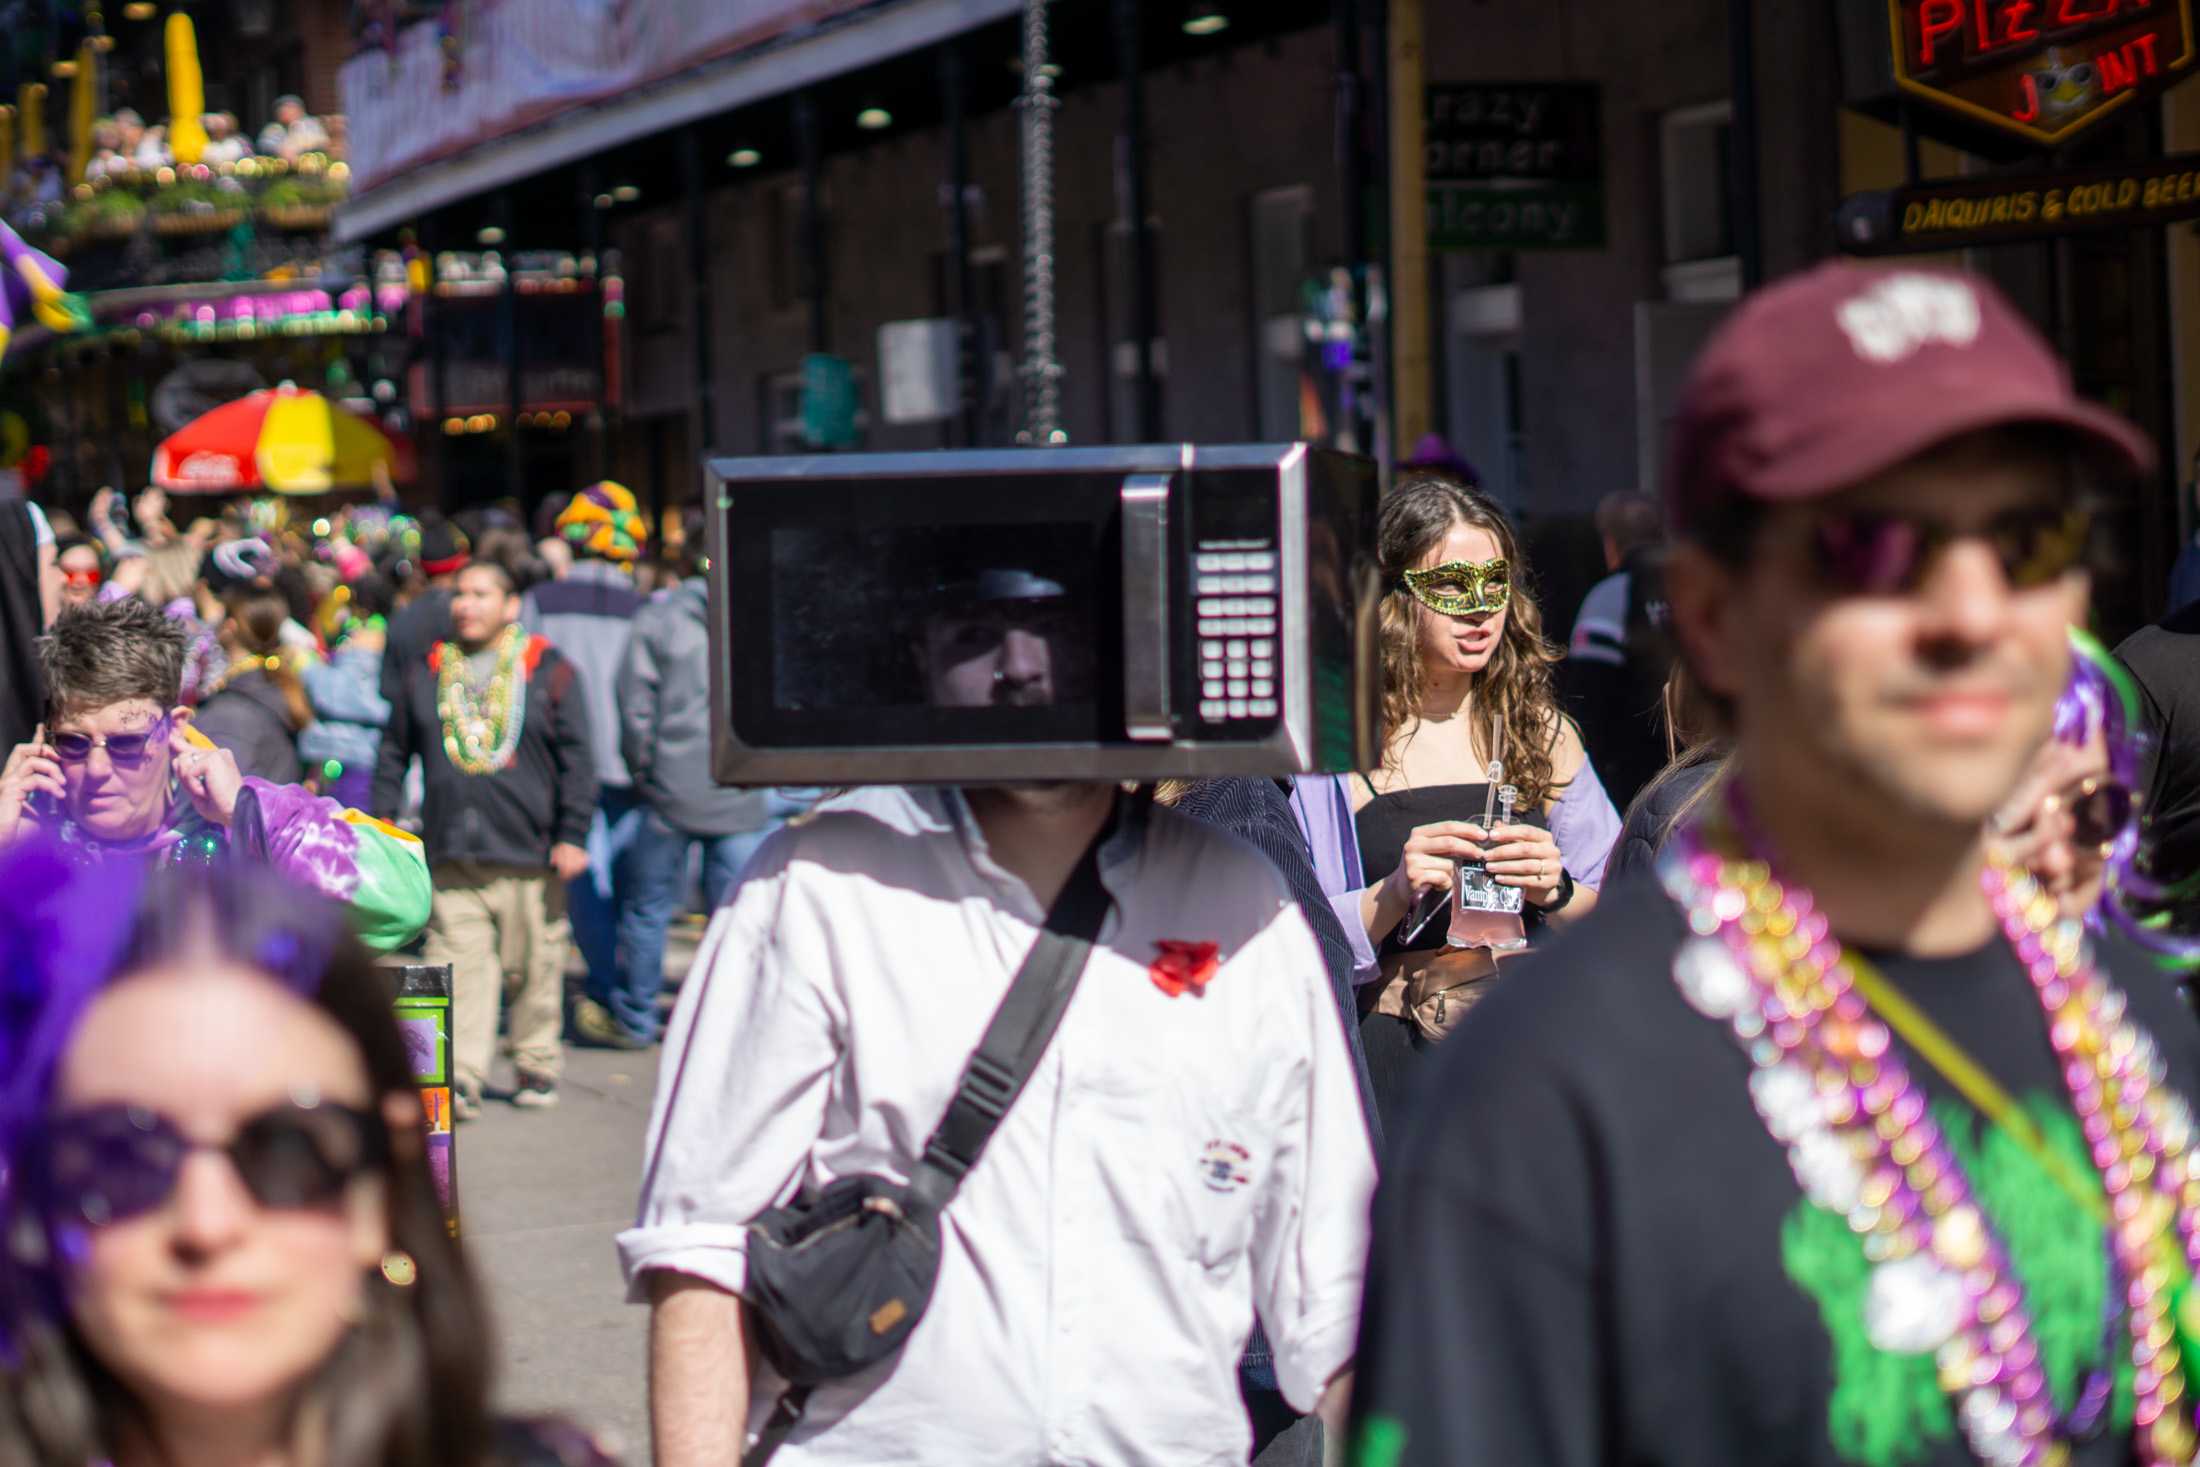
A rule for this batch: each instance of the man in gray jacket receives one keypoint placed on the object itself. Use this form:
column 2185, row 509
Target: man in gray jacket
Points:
column 664, row 735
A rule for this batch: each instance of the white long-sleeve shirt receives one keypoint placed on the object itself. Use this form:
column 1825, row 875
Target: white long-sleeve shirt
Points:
column 1174, row 1163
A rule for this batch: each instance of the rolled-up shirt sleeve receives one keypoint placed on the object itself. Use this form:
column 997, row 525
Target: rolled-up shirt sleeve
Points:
column 749, row 1061
column 1310, row 1239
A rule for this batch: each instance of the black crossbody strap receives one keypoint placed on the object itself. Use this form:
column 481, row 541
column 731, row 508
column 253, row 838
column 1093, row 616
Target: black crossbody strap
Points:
column 1017, row 1038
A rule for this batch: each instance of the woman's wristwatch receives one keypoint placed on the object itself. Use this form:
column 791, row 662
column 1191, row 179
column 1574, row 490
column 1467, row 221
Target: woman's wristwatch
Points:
column 1565, row 892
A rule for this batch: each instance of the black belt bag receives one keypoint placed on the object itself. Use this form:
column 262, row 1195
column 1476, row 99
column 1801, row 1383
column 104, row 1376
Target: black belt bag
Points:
column 838, row 1279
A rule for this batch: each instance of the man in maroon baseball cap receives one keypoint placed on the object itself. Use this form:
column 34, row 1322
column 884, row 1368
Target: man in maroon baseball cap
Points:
column 1802, row 1152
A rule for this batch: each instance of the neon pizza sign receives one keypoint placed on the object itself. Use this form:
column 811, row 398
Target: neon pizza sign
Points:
column 2041, row 69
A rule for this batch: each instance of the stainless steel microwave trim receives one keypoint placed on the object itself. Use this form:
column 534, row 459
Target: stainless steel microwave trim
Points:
column 1292, row 513
column 1146, row 659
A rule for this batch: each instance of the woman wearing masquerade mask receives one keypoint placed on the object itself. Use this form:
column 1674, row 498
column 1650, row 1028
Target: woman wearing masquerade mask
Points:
column 1467, row 681
column 223, row 1243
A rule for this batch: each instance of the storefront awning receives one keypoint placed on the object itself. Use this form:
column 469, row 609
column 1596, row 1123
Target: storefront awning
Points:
column 774, row 68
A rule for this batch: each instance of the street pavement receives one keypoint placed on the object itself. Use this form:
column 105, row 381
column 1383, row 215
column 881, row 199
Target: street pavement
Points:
column 541, row 1196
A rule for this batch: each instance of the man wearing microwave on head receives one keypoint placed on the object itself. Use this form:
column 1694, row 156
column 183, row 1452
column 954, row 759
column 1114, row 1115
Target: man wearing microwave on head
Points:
column 1189, row 1147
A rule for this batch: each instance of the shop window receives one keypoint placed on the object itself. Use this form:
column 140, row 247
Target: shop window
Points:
column 1283, row 248
column 1696, row 173
column 1483, row 418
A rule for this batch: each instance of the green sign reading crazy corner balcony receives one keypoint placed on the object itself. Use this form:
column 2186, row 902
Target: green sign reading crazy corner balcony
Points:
column 1515, row 166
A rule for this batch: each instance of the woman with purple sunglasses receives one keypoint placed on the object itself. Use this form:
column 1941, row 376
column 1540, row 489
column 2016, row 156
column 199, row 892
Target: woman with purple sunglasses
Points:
column 220, row 1242
column 117, row 770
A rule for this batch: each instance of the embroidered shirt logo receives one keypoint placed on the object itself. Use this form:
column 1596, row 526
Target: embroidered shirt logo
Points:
column 1903, row 313
column 1184, row 967
column 1225, row 1166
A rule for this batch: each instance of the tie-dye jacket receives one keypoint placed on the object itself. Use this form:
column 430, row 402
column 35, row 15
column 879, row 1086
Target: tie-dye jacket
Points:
column 376, row 870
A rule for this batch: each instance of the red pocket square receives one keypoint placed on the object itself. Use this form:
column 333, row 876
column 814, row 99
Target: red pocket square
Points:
column 1184, row 966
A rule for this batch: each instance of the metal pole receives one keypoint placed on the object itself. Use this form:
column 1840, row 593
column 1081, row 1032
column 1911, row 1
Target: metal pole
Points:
column 439, row 363
column 1745, row 207
column 954, row 84
column 592, row 235
column 1412, row 399
column 1042, row 372
column 1352, row 179
column 813, row 215
column 698, row 232
column 1145, row 309
column 515, row 384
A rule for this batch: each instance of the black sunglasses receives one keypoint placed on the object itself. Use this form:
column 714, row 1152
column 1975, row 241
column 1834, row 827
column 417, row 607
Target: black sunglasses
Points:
column 104, row 1163
column 1874, row 553
column 129, row 748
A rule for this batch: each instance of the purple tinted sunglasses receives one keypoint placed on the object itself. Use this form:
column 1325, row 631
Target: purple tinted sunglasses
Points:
column 101, row 1164
column 1873, row 553
column 123, row 749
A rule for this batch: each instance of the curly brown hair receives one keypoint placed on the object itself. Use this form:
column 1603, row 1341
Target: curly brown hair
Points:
column 1514, row 693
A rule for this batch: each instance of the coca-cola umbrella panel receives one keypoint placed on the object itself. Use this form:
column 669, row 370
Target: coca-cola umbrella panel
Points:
column 284, row 439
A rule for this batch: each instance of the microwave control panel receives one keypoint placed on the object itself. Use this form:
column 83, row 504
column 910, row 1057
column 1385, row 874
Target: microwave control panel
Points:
column 1235, row 595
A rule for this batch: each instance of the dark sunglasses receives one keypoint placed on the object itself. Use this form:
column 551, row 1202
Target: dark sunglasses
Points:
column 1879, row 554
column 105, row 1163
column 2099, row 811
column 129, row 748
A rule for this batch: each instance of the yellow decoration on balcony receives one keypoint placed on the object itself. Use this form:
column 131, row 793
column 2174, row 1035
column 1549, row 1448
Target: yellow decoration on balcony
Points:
column 33, row 99
column 83, row 101
column 186, row 91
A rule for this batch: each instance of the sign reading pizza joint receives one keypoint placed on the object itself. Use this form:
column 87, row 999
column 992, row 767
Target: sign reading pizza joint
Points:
column 2041, row 69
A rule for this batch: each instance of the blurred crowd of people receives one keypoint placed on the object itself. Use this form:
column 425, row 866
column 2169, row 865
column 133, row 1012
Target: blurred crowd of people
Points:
column 125, row 148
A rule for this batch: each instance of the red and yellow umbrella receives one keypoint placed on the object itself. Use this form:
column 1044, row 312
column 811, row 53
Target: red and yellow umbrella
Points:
column 281, row 438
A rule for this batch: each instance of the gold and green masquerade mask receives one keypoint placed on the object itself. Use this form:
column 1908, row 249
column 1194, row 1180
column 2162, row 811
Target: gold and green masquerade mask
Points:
column 1463, row 587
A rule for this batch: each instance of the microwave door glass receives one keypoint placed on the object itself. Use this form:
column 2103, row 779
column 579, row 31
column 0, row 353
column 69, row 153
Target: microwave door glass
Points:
column 926, row 633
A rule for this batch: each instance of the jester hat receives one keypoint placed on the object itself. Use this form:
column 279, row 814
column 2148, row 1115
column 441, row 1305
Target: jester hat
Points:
column 603, row 521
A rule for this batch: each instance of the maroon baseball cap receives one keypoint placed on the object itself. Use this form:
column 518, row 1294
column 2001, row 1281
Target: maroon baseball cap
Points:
column 1833, row 376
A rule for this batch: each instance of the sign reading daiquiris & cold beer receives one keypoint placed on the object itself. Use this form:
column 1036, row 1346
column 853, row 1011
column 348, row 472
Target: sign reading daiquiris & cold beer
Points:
column 1962, row 213
column 2042, row 69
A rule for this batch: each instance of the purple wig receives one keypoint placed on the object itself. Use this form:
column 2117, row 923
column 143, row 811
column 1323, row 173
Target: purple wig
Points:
column 68, row 929
column 2100, row 699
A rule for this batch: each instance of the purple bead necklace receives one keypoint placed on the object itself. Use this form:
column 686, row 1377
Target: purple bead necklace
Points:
column 1831, row 1089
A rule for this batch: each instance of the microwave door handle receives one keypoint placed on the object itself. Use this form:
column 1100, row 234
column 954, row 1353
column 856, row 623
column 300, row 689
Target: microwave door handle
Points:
column 1147, row 715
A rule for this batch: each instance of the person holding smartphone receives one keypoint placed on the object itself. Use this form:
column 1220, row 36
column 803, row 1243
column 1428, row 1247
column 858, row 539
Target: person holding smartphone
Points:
column 118, row 770
column 1467, row 683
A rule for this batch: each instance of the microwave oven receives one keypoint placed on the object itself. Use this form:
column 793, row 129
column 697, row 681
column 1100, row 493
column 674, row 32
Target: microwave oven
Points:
column 1122, row 613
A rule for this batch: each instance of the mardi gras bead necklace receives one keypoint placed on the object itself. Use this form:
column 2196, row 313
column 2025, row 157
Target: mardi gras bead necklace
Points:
column 481, row 729
column 1831, row 1089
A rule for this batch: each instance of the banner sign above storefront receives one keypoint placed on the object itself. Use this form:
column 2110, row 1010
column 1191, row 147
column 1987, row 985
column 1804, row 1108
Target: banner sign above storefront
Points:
column 2042, row 70
column 2010, row 210
column 437, row 90
column 1515, row 166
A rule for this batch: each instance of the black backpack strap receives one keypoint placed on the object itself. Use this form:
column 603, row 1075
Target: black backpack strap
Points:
column 1017, row 1038
column 785, row 1417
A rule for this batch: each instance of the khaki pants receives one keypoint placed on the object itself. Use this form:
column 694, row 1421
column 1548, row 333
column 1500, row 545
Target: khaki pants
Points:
column 503, row 931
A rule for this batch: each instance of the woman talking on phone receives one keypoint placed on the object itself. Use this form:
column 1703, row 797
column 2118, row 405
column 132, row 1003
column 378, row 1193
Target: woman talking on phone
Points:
column 1484, row 784
column 220, row 1243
